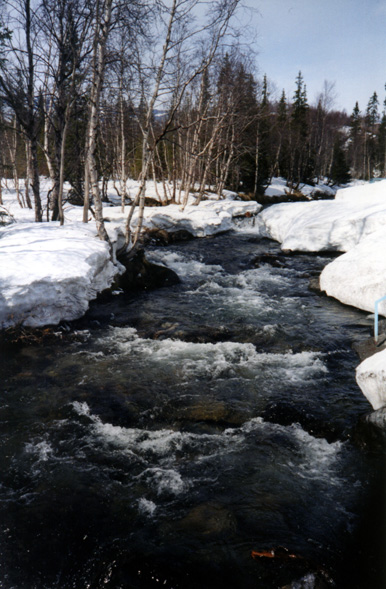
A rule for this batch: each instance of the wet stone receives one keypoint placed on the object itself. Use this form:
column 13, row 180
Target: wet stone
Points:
column 144, row 275
column 161, row 237
column 368, row 347
column 314, row 284
column 207, row 519
column 210, row 411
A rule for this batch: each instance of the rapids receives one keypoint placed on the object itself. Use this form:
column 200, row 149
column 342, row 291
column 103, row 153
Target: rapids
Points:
column 169, row 435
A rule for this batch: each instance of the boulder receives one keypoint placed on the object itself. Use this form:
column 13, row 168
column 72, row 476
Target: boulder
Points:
column 158, row 236
column 141, row 274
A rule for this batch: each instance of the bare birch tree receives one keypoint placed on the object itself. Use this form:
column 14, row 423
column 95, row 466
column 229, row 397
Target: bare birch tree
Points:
column 65, row 31
column 17, row 81
column 178, row 56
column 101, row 32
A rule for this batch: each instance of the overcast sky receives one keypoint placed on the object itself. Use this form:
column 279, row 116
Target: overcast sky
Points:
column 342, row 41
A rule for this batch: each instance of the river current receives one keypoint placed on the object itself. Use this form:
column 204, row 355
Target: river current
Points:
column 179, row 437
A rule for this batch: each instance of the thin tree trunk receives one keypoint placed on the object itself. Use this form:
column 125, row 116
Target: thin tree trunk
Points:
column 12, row 148
column 86, row 203
column 28, row 174
column 31, row 125
column 98, row 75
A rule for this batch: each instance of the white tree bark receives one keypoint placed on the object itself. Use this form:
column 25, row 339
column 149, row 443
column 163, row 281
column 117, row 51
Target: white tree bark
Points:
column 102, row 29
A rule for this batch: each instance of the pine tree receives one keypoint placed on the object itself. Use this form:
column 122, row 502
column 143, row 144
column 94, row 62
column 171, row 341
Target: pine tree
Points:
column 382, row 141
column 300, row 107
column 264, row 137
column 302, row 160
column 355, row 140
column 340, row 171
column 280, row 164
column 372, row 115
column 355, row 122
column 282, row 109
column 371, row 121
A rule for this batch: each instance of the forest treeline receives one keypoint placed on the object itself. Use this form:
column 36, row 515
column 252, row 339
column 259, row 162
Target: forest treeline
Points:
column 92, row 91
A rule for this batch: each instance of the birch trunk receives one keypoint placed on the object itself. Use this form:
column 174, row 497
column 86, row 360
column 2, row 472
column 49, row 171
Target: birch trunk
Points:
column 28, row 175
column 97, row 82
column 146, row 152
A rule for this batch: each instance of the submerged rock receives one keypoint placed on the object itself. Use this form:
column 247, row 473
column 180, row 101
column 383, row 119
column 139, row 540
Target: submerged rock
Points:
column 274, row 260
column 141, row 274
column 207, row 412
column 285, row 413
column 206, row 519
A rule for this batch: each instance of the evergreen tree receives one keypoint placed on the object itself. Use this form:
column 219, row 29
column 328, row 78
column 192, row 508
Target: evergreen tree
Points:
column 355, row 122
column 372, row 115
column 300, row 107
column 281, row 138
column 282, row 109
column 355, row 140
column 302, row 160
column 382, row 141
column 247, row 109
column 264, row 137
column 340, row 171
column 371, row 121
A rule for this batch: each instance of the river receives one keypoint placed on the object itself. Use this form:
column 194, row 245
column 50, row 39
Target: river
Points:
column 174, row 438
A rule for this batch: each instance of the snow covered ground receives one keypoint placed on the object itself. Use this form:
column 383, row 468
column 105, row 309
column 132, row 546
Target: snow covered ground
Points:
column 330, row 225
column 278, row 188
column 50, row 273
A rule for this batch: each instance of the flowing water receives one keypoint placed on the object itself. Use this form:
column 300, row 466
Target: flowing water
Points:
column 171, row 435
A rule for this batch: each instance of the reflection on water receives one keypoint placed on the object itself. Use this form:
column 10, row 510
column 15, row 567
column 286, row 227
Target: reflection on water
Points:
column 174, row 432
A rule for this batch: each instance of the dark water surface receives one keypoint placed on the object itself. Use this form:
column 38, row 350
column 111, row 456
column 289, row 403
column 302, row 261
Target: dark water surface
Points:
column 169, row 434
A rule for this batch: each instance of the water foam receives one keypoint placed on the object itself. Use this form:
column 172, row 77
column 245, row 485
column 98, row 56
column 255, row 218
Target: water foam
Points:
column 164, row 454
column 42, row 450
column 186, row 268
column 146, row 507
column 216, row 361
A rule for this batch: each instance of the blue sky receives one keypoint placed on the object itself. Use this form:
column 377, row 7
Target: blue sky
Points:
column 342, row 41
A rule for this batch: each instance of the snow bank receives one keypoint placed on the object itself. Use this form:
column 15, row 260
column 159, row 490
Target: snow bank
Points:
column 361, row 190
column 333, row 225
column 371, row 378
column 278, row 188
column 50, row 273
column 358, row 277
column 209, row 218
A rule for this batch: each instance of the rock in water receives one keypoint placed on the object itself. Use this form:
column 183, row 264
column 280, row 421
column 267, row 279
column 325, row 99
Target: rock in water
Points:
column 144, row 275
